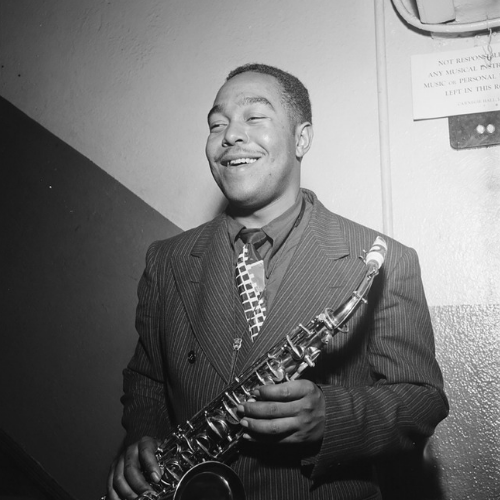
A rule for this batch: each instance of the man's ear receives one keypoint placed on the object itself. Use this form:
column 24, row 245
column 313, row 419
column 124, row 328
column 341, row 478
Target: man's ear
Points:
column 304, row 134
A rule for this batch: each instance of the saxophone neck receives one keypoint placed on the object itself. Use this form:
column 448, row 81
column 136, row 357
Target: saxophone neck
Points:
column 344, row 312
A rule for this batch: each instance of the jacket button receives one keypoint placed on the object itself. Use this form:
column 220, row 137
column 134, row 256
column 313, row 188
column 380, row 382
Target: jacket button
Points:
column 191, row 357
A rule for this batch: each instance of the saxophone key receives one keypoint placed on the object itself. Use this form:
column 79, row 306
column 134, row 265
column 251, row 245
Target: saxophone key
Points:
column 297, row 352
column 173, row 469
column 219, row 426
column 309, row 332
column 231, row 410
column 277, row 371
column 188, row 458
column 309, row 361
column 203, row 442
column 246, row 391
column 265, row 379
column 188, row 442
column 231, row 397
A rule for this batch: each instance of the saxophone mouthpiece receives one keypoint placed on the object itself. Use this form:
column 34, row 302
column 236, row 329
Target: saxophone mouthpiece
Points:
column 376, row 255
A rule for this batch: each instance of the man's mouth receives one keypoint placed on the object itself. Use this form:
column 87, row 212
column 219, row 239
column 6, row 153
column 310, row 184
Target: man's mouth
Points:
column 236, row 162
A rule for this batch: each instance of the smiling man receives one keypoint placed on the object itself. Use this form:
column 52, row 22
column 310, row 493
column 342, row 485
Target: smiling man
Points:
column 201, row 320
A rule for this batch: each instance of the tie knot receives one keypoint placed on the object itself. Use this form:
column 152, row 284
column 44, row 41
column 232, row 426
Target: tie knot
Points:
column 256, row 237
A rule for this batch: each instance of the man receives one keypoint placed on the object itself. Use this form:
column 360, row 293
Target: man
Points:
column 374, row 392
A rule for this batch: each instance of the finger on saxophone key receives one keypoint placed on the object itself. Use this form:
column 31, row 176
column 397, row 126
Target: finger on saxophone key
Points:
column 147, row 456
column 244, row 424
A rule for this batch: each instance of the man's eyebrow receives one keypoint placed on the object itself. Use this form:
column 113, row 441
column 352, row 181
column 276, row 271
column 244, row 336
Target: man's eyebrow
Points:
column 245, row 101
column 255, row 100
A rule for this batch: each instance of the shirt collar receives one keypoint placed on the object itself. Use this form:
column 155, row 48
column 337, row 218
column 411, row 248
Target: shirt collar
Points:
column 277, row 230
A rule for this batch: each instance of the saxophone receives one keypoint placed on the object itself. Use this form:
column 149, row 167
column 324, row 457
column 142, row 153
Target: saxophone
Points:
column 193, row 459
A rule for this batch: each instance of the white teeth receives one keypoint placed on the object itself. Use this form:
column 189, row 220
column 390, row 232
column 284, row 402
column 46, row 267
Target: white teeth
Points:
column 241, row 161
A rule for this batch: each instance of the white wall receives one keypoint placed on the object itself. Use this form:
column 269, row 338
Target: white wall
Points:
column 446, row 202
column 129, row 85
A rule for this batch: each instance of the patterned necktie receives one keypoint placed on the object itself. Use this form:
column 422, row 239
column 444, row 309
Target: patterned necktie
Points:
column 250, row 278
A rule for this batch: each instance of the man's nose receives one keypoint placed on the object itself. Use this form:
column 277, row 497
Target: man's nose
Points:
column 235, row 132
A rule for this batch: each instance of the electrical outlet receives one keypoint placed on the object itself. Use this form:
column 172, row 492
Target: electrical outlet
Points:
column 475, row 130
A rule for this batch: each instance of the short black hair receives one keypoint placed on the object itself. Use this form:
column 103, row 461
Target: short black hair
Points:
column 294, row 95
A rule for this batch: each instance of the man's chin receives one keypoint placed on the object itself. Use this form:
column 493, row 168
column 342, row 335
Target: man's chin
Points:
column 238, row 207
column 243, row 205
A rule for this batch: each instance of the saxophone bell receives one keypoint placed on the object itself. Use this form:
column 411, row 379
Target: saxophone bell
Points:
column 210, row 481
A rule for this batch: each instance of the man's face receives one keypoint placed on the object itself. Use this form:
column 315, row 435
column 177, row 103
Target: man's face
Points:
column 251, row 147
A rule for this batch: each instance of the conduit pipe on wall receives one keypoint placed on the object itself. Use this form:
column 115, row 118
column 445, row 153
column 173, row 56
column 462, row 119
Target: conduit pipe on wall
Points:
column 413, row 20
column 383, row 119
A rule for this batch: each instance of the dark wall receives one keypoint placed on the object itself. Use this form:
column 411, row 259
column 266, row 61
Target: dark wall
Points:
column 73, row 247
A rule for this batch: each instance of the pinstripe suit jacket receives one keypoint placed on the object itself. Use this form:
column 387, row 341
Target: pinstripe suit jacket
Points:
column 382, row 385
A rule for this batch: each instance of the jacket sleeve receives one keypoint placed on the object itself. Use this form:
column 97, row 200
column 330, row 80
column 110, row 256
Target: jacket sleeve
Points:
column 144, row 400
column 405, row 400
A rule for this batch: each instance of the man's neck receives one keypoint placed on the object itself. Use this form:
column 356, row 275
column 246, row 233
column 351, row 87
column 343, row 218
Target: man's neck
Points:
column 263, row 216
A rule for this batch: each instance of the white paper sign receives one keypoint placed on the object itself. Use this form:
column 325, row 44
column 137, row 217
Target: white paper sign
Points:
column 456, row 83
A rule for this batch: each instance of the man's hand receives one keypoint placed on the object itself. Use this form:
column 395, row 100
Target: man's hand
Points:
column 126, row 476
column 292, row 412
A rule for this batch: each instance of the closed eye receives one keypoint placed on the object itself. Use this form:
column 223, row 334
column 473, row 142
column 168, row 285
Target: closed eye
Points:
column 216, row 126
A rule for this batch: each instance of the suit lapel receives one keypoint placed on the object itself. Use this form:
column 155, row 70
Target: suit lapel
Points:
column 208, row 294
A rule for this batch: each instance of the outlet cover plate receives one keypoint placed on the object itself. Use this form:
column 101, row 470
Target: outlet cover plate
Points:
column 475, row 130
